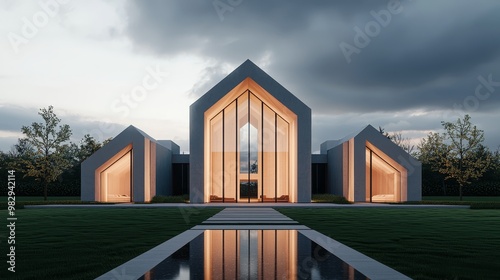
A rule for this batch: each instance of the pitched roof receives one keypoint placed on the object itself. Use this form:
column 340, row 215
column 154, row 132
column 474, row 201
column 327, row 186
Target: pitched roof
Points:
column 247, row 70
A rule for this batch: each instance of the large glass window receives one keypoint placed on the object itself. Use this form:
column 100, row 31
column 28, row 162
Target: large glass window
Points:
column 249, row 153
column 282, row 159
column 115, row 180
column 383, row 181
column 230, row 153
column 269, row 155
column 216, row 158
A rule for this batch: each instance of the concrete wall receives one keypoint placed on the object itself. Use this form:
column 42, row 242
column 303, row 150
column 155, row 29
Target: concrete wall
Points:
column 335, row 171
column 171, row 145
column 304, row 153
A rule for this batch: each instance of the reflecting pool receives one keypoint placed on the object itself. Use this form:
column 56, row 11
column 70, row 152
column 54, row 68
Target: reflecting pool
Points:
column 252, row 254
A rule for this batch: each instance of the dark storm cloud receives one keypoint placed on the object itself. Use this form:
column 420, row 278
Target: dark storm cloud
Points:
column 428, row 56
column 172, row 27
column 326, row 127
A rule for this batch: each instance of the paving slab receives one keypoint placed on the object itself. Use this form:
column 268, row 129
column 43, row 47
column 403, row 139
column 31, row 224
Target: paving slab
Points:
column 254, row 216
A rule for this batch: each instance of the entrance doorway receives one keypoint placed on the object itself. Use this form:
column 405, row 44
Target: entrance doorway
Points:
column 249, row 152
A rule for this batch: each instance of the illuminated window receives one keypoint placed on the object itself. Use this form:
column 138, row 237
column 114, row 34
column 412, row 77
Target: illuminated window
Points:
column 383, row 180
column 217, row 155
column 249, row 153
column 115, row 180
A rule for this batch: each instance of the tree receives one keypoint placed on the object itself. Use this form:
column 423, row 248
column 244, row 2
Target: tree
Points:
column 431, row 150
column 383, row 132
column 76, row 154
column 88, row 146
column 22, row 149
column 403, row 142
column 492, row 175
column 4, row 160
column 398, row 138
column 496, row 163
column 454, row 153
column 49, row 152
column 20, row 153
column 496, row 159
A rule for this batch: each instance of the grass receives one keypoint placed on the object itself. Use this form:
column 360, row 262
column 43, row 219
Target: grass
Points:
column 421, row 243
column 61, row 243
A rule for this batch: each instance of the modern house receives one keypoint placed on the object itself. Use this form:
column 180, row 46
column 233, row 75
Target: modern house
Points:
column 250, row 141
column 368, row 166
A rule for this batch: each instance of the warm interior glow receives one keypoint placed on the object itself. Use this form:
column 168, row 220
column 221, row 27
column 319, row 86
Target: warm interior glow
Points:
column 345, row 170
column 152, row 174
column 147, row 170
column 115, row 179
column 250, row 148
column 250, row 254
column 350, row 195
column 384, row 177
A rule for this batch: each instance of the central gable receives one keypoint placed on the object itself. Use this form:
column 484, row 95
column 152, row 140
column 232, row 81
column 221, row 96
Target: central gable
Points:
column 248, row 77
column 236, row 80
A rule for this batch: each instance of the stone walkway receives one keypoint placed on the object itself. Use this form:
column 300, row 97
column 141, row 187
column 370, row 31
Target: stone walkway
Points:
column 249, row 218
column 258, row 219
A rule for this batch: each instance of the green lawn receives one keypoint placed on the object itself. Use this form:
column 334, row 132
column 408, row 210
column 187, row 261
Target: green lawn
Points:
column 85, row 243
column 421, row 243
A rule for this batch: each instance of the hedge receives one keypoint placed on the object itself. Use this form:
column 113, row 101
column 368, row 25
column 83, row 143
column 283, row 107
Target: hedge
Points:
column 31, row 188
column 475, row 189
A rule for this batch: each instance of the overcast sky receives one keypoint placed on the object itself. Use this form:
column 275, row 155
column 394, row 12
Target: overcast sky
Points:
column 402, row 65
